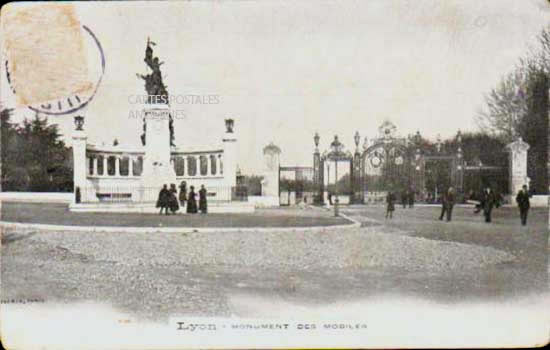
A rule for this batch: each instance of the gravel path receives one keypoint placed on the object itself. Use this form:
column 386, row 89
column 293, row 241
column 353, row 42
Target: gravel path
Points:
column 348, row 248
column 159, row 274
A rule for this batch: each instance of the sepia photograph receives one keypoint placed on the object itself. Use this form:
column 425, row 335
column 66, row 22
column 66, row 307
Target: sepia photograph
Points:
column 247, row 174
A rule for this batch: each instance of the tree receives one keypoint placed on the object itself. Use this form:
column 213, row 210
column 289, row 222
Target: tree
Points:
column 519, row 106
column 34, row 158
column 507, row 104
column 253, row 184
column 534, row 131
column 489, row 149
column 10, row 152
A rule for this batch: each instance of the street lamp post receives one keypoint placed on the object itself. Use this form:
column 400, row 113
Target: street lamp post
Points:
column 356, row 172
column 328, row 182
column 336, row 200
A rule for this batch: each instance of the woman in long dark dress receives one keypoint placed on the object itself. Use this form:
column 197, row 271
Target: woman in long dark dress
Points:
column 183, row 193
column 202, row 200
column 191, row 201
column 174, row 206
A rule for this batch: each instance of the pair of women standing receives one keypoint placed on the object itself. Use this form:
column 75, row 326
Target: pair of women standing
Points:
column 191, row 198
column 167, row 199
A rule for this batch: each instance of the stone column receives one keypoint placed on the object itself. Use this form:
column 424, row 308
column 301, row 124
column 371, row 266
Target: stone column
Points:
column 130, row 166
column 356, row 180
column 105, row 164
column 207, row 164
column 230, row 158
column 270, row 182
column 95, row 164
column 321, row 189
column 79, row 163
column 517, row 162
column 117, row 165
column 195, row 162
column 318, row 197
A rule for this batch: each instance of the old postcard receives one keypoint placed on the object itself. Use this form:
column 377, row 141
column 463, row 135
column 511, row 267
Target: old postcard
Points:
column 274, row 174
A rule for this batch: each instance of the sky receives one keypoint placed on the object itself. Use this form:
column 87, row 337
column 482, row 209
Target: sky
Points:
column 285, row 70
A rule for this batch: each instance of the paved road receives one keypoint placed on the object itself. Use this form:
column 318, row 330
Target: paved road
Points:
column 153, row 276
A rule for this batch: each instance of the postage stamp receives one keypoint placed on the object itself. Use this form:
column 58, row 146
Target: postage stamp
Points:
column 257, row 174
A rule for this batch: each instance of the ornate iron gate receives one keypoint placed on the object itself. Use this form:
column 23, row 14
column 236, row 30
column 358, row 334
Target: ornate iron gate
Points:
column 392, row 163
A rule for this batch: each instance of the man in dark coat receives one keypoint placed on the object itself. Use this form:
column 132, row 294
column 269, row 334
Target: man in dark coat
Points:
column 163, row 199
column 202, row 200
column 522, row 199
column 390, row 204
column 447, row 204
column 489, row 199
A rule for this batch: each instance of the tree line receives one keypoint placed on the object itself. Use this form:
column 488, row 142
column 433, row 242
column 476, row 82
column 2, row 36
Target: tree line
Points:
column 518, row 106
column 33, row 156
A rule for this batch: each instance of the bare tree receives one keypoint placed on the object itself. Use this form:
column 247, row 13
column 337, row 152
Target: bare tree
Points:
column 506, row 105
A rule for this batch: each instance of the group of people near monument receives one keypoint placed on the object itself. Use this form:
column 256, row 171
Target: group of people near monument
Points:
column 170, row 201
column 487, row 201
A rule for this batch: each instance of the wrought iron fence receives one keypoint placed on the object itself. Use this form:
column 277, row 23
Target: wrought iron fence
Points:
column 239, row 193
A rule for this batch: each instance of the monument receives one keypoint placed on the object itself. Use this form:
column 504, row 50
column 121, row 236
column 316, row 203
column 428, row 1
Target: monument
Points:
column 517, row 151
column 118, row 178
column 158, row 128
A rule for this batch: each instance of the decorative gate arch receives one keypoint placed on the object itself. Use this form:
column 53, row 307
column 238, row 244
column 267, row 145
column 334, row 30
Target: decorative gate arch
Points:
column 385, row 164
column 390, row 162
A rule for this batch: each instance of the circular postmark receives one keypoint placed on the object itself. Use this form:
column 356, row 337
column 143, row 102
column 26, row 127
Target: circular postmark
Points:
column 75, row 101
column 53, row 63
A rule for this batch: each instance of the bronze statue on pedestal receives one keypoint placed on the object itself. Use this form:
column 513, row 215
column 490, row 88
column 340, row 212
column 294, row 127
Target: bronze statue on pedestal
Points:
column 155, row 87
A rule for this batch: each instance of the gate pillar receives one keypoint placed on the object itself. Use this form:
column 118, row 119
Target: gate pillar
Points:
column 318, row 173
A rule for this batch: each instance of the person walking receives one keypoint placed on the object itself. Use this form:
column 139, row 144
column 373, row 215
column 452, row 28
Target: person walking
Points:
column 489, row 200
column 163, row 199
column 173, row 199
column 202, row 200
column 447, row 204
column 411, row 198
column 522, row 199
column 404, row 198
column 183, row 194
column 390, row 205
column 191, row 201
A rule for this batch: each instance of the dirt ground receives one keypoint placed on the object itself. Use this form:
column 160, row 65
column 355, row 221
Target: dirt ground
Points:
column 413, row 255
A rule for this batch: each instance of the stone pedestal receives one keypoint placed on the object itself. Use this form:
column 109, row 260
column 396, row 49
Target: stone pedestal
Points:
column 318, row 178
column 517, row 165
column 270, row 181
column 157, row 169
column 79, row 163
column 230, row 158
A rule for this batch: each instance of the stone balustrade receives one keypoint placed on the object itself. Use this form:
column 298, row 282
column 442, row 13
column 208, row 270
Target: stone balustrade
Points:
column 117, row 162
column 203, row 164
